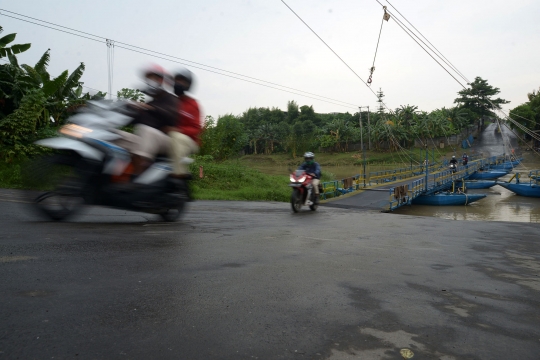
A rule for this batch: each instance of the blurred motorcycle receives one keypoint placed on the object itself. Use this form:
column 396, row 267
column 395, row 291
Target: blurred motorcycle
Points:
column 88, row 169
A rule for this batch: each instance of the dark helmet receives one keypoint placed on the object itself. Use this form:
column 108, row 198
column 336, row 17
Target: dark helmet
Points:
column 185, row 74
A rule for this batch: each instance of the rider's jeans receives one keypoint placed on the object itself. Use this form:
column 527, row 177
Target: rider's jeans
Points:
column 315, row 183
column 146, row 141
column 152, row 142
column 181, row 147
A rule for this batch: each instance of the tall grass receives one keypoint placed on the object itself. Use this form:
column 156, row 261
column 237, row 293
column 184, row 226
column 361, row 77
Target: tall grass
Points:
column 10, row 175
column 234, row 181
column 221, row 181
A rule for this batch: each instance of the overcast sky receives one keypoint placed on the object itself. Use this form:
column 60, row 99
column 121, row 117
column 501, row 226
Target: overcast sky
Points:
column 497, row 40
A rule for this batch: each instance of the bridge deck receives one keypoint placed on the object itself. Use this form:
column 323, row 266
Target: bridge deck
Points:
column 381, row 197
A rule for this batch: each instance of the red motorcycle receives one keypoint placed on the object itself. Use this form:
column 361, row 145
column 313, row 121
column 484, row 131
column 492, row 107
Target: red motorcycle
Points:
column 303, row 192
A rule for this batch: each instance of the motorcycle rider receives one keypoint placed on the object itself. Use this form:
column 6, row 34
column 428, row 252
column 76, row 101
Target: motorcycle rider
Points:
column 453, row 161
column 185, row 135
column 465, row 159
column 152, row 121
column 314, row 169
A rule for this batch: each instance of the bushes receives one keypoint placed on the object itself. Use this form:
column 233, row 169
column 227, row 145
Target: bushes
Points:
column 233, row 181
column 18, row 130
column 224, row 140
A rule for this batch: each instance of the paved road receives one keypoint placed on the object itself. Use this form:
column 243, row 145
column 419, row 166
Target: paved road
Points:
column 239, row 280
column 491, row 143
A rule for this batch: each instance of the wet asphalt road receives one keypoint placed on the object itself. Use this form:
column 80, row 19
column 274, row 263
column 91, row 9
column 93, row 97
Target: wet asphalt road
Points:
column 238, row 280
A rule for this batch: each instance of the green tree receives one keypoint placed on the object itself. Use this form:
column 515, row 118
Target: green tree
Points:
column 479, row 98
column 528, row 113
column 292, row 111
column 19, row 129
column 130, row 94
column 230, row 137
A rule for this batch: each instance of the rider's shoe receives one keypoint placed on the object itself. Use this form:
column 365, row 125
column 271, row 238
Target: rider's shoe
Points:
column 309, row 202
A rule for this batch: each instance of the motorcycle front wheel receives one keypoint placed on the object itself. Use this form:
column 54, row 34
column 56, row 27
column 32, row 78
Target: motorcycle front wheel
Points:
column 57, row 206
column 296, row 201
column 65, row 198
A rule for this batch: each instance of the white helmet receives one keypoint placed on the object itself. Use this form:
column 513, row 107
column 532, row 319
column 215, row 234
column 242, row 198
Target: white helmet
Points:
column 309, row 155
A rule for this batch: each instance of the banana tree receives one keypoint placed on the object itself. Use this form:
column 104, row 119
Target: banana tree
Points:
column 6, row 50
column 64, row 93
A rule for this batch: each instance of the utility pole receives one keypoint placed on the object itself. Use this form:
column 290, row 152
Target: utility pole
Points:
column 362, row 142
column 369, row 130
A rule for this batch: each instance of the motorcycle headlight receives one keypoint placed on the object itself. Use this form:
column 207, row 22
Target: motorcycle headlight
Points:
column 302, row 179
column 292, row 179
column 74, row 130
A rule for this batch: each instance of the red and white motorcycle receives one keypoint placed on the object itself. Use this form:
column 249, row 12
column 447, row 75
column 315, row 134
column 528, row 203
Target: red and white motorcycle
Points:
column 303, row 192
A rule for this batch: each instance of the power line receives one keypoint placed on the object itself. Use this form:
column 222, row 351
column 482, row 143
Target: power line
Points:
column 448, row 61
column 412, row 35
column 345, row 63
column 149, row 52
column 328, row 46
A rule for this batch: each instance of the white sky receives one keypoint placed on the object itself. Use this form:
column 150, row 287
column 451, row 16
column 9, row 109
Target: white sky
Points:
column 496, row 39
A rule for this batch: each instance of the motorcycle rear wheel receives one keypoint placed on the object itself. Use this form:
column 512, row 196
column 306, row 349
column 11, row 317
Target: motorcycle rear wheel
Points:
column 296, row 201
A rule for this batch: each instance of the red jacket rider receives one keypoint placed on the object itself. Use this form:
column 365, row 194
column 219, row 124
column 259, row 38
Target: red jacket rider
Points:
column 190, row 118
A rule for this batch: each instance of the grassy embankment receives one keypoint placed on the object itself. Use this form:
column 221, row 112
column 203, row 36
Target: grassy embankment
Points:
column 251, row 177
column 222, row 181
column 324, row 159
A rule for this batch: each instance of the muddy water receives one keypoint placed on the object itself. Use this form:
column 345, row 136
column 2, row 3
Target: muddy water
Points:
column 500, row 204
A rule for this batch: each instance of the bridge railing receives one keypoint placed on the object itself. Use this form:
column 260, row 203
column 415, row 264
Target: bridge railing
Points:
column 339, row 187
column 436, row 181
column 378, row 177
column 404, row 194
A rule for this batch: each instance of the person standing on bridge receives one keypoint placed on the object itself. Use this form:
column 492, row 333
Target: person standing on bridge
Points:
column 314, row 169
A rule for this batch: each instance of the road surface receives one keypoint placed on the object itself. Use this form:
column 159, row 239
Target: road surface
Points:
column 247, row 280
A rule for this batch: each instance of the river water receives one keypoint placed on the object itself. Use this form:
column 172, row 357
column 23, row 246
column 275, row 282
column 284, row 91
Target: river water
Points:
column 500, row 204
